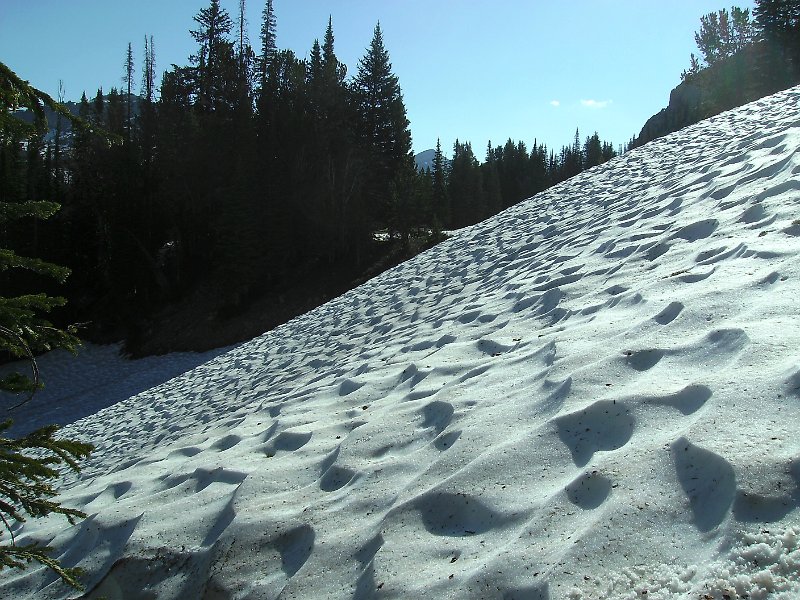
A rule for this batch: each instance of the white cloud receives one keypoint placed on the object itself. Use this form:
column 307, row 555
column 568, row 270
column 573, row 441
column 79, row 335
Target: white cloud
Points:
column 555, row 103
column 596, row 103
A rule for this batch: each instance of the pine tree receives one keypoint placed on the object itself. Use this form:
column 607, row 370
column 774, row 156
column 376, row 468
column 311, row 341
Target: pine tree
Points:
column 404, row 208
column 334, row 70
column 148, row 73
column 213, row 57
column 693, row 70
column 268, row 39
column 722, row 34
column 338, row 170
column 315, row 76
column 29, row 465
column 148, row 109
column 778, row 22
column 383, row 125
column 777, row 19
column 742, row 28
column 465, row 186
column 243, row 42
column 540, row 179
column 592, row 151
column 99, row 105
column 491, row 183
column 441, row 200
column 127, row 79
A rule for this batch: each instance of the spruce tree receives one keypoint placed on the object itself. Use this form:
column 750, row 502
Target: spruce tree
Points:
column 148, row 73
column 334, row 70
column 778, row 22
column 127, row 79
column 268, row 39
column 214, row 52
column 383, row 125
column 441, row 200
column 315, row 77
column 592, row 151
column 491, row 182
column 465, row 186
column 777, row 19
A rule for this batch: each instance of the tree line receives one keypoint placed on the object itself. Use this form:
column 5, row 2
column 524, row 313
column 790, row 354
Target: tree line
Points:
column 465, row 191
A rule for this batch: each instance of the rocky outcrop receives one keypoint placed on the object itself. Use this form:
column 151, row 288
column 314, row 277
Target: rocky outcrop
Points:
column 685, row 108
column 758, row 71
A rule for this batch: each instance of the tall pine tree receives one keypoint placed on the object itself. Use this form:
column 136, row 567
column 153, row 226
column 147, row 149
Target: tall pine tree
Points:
column 383, row 126
column 440, row 199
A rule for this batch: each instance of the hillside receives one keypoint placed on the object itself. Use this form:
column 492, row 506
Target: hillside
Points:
column 593, row 394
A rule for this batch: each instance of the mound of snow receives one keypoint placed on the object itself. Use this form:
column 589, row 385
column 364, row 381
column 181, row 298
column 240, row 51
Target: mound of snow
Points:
column 595, row 394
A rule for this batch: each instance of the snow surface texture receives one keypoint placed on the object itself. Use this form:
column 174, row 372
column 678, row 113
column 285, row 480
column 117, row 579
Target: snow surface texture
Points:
column 99, row 377
column 595, row 394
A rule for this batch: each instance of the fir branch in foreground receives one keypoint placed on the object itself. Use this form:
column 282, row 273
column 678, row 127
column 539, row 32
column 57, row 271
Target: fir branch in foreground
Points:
column 27, row 466
column 18, row 557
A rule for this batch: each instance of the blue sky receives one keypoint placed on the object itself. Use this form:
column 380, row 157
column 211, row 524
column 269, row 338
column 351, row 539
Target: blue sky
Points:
column 470, row 70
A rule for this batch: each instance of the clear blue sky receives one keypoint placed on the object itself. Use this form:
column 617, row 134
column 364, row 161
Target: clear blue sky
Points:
column 470, row 70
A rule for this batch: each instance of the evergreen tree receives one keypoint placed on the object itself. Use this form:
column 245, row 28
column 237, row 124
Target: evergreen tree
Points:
column 334, row 208
column 268, row 39
column 491, row 183
column 513, row 169
column 56, row 167
column 465, row 186
column 778, row 22
column 115, row 113
column 148, row 73
column 213, row 57
column 577, row 153
column 29, row 465
column 592, row 151
column 723, row 34
column 99, row 105
column 778, row 19
column 608, row 151
column 540, row 178
column 742, row 29
column 127, row 79
column 383, row 126
column 147, row 114
column 334, row 70
column 404, row 209
column 441, row 200
column 694, row 68
column 243, row 42
column 315, row 76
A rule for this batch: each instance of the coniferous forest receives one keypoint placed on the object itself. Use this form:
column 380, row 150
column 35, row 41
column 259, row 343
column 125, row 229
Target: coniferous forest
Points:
column 252, row 180
column 247, row 174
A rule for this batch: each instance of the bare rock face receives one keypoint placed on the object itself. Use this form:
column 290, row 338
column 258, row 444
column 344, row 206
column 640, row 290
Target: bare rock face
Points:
column 685, row 108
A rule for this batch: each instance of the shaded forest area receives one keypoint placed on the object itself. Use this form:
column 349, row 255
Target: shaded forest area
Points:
column 247, row 188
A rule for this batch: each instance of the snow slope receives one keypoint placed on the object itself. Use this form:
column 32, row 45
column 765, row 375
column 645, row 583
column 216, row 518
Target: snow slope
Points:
column 99, row 377
column 595, row 394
